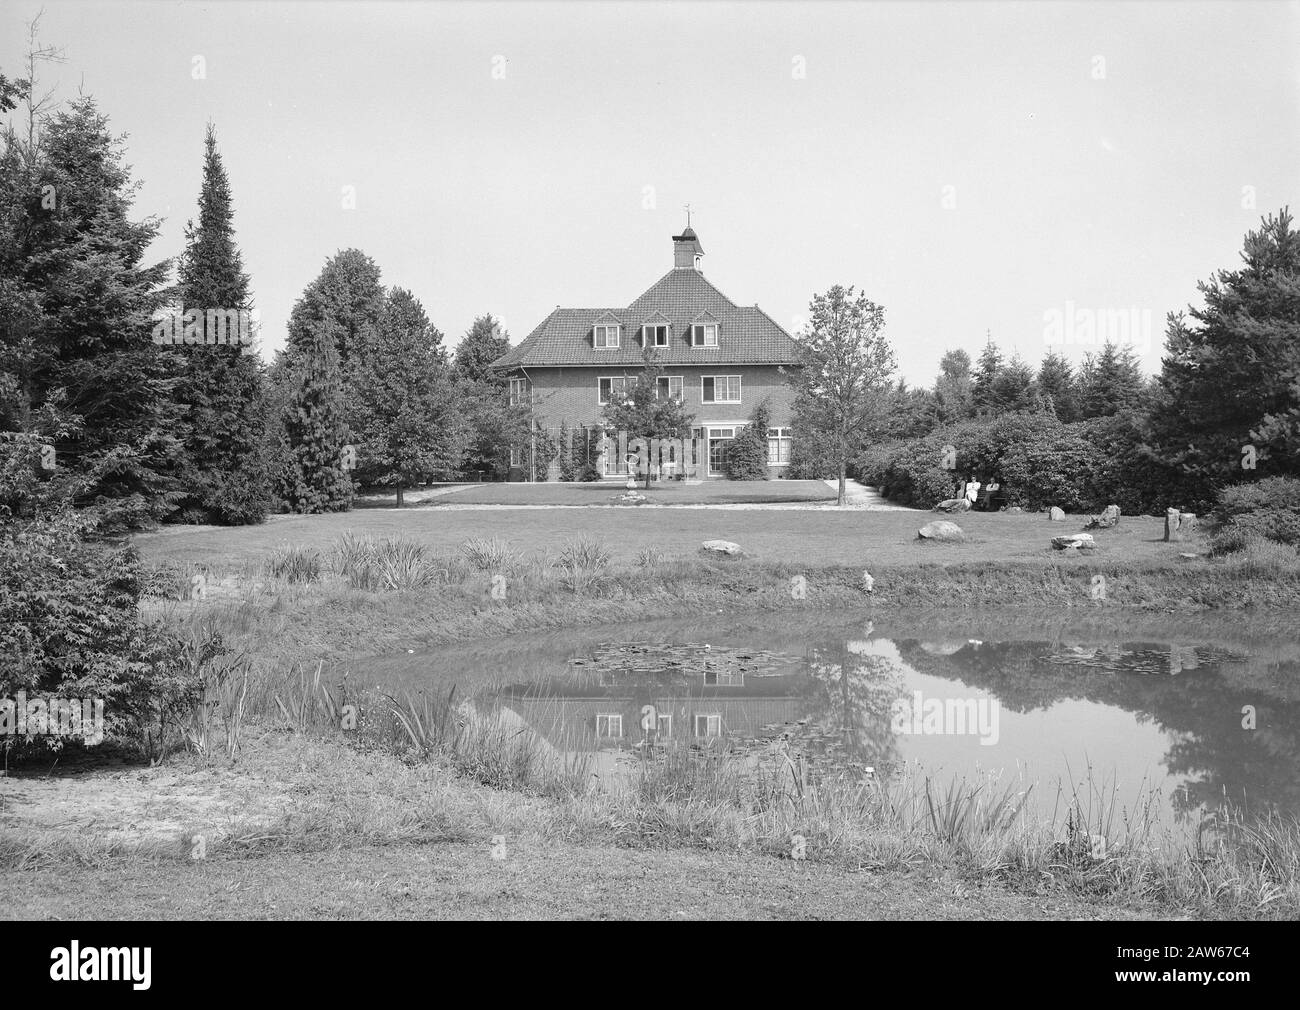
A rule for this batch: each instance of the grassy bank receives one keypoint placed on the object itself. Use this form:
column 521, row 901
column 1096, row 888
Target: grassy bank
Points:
column 380, row 796
column 285, row 622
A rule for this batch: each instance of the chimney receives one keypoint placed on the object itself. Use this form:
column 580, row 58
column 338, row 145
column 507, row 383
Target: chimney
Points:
column 687, row 250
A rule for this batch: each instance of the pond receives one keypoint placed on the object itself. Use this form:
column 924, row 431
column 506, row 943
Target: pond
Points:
column 1186, row 714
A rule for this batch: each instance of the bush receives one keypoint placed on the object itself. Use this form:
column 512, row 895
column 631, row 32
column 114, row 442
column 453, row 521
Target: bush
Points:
column 1270, row 494
column 1264, row 511
column 745, row 456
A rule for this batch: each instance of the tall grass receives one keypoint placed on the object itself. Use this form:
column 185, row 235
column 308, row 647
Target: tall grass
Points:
column 294, row 563
column 394, row 564
column 489, row 554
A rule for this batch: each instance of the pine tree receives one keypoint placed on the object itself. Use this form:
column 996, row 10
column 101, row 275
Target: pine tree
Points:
column 1014, row 389
column 1057, row 383
column 316, row 432
column 75, row 314
column 494, row 422
column 483, row 343
column 225, row 472
column 1230, row 381
column 953, row 388
column 348, row 297
column 407, row 415
column 983, row 395
column 1112, row 382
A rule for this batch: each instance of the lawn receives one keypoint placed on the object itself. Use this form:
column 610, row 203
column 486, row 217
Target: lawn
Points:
column 820, row 537
column 714, row 492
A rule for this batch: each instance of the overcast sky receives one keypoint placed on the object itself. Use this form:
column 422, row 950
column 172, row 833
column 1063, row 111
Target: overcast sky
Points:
column 972, row 167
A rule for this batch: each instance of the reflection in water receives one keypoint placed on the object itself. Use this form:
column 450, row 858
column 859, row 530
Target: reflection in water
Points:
column 1175, row 714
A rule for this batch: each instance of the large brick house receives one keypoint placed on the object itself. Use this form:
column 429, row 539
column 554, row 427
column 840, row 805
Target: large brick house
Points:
column 721, row 358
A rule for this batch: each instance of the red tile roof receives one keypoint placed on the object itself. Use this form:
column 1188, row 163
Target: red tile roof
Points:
column 747, row 335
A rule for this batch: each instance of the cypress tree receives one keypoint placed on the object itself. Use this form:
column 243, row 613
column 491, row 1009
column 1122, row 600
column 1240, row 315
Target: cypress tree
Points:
column 225, row 471
column 316, row 432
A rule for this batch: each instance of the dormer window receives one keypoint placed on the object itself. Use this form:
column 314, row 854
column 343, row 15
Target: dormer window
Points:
column 704, row 335
column 654, row 336
column 605, row 336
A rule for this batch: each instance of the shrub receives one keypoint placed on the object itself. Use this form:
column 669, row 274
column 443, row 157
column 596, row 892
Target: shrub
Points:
column 1267, row 510
column 745, row 457
column 568, row 467
column 1270, row 494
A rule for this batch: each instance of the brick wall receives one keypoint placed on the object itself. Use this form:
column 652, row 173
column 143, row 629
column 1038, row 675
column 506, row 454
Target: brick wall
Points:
column 570, row 395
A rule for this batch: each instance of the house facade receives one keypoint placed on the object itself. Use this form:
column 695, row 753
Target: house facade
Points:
column 721, row 359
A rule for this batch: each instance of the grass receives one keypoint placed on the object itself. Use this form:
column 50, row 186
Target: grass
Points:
column 713, row 492
column 812, row 538
column 440, row 774
column 415, row 769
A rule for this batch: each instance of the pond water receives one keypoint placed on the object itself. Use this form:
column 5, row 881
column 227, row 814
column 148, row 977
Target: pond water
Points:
column 1185, row 713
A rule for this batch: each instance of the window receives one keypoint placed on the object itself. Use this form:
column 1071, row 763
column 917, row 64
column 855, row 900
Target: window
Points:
column 704, row 334
column 516, row 456
column 654, row 336
column 605, row 336
column 609, row 726
column 664, row 728
column 615, row 465
column 611, row 386
column 669, row 388
column 778, row 446
column 720, row 389
column 708, row 725
column 518, row 392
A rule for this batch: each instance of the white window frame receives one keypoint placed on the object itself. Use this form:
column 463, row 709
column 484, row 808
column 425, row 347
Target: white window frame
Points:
column 664, row 719
column 701, row 332
column 656, row 327
column 709, row 723
column 680, row 380
column 776, row 437
column 611, row 719
column 602, row 331
column 612, row 388
column 519, row 392
column 740, row 393
column 516, row 455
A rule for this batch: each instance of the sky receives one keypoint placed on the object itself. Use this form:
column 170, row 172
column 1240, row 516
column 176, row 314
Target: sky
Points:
column 1045, row 174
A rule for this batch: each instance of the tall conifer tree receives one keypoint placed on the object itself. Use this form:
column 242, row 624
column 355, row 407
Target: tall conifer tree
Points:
column 225, row 473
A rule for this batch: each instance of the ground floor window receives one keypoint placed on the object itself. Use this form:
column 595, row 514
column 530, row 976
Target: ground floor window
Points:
column 664, row 728
column 516, row 456
column 615, row 465
column 708, row 725
column 778, row 446
column 609, row 726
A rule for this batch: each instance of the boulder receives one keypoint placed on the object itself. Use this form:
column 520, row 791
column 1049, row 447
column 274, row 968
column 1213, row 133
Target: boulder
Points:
column 1075, row 542
column 1014, row 510
column 1108, row 519
column 1055, row 515
column 1178, row 525
column 942, row 530
column 722, row 547
column 953, row 505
